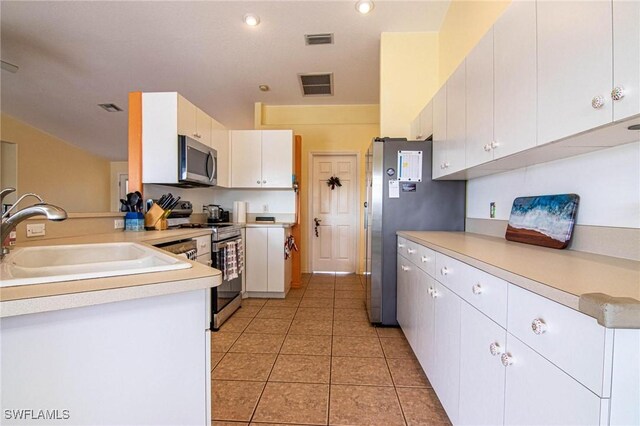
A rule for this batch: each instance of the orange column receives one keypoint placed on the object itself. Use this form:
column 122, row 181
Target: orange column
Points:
column 135, row 141
column 296, row 270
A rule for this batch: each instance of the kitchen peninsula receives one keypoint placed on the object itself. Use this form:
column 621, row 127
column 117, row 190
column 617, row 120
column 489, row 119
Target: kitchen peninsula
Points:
column 119, row 350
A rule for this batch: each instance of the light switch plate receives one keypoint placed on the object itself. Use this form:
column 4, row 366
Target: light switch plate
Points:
column 35, row 230
column 118, row 224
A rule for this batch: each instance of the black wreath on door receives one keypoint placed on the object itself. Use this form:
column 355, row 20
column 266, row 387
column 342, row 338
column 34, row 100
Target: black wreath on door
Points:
column 333, row 181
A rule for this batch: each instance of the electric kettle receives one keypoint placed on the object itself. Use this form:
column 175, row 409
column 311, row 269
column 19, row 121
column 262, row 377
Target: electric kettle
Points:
column 213, row 211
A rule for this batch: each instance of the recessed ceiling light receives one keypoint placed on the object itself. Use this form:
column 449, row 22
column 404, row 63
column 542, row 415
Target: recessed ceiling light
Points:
column 364, row 6
column 110, row 107
column 264, row 88
column 251, row 19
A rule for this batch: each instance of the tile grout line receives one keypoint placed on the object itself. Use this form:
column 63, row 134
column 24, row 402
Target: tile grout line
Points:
column 333, row 311
column 395, row 388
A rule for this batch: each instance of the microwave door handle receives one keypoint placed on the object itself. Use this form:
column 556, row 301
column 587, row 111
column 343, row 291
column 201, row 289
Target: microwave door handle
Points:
column 210, row 166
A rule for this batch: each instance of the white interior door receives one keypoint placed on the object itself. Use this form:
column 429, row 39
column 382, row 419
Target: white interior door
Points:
column 333, row 249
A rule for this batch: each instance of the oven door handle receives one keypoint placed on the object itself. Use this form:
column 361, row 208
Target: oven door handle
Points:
column 220, row 245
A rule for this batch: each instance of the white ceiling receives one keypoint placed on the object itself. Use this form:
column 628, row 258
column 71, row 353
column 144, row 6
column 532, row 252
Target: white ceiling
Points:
column 75, row 55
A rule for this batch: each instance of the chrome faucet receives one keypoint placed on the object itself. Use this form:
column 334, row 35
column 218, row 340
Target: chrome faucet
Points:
column 49, row 211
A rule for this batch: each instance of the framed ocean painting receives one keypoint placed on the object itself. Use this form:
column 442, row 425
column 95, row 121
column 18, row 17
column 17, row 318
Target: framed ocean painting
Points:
column 544, row 220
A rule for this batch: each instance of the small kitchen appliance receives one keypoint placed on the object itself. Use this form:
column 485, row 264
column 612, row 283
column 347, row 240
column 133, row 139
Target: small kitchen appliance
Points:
column 215, row 213
column 197, row 165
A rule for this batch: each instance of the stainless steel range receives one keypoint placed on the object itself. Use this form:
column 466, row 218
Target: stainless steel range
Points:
column 227, row 255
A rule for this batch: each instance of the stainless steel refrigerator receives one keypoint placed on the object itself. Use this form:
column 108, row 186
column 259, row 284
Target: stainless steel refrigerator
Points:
column 424, row 205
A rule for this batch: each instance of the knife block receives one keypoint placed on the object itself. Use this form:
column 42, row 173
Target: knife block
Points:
column 155, row 218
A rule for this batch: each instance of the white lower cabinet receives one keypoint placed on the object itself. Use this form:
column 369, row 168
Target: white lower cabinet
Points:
column 539, row 367
column 539, row 393
column 482, row 341
column 267, row 271
column 446, row 377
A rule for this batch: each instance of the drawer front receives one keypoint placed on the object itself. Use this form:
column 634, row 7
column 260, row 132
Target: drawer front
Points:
column 204, row 244
column 571, row 340
column 426, row 260
column 451, row 272
column 487, row 293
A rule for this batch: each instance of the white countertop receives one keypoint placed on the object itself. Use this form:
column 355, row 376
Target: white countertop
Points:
column 606, row 288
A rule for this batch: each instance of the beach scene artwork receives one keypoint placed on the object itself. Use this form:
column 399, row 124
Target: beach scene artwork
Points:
column 544, row 220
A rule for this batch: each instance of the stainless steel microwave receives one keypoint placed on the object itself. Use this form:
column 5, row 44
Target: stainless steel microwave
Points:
column 197, row 163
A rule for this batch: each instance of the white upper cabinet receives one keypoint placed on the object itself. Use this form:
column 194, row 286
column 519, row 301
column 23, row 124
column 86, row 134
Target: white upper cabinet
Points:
column 193, row 122
column 220, row 142
column 456, row 120
column 575, row 51
column 439, row 131
column 261, row 158
column 515, row 77
column 625, row 93
column 479, row 95
column 426, row 121
column 277, row 158
column 414, row 128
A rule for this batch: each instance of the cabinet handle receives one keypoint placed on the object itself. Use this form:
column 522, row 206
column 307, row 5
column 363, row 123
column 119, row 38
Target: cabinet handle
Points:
column 495, row 349
column 538, row 326
column 477, row 289
column 418, row 137
column 446, row 164
column 257, row 181
column 404, row 268
column 401, row 245
column 617, row 93
column 424, row 259
column 444, row 271
column 597, row 102
column 411, row 251
column 494, row 145
column 442, row 165
column 434, row 293
column 506, row 359
column 487, row 147
column 264, row 181
column 430, row 291
column 209, row 262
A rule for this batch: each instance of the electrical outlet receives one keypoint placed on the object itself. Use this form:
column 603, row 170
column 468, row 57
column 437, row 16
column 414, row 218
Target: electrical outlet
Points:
column 265, row 208
column 118, row 224
column 35, row 230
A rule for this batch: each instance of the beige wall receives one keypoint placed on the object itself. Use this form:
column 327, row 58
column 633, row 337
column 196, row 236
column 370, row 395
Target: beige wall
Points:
column 57, row 171
column 408, row 78
column 463, row 26
column 324, row 129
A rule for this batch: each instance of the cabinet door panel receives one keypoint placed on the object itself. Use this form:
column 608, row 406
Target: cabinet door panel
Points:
column 425, row 323
column 220, row 142
column 414, row 128
column 515, row 79
column 402, row 294
column 481, row 373
column 447, row 350
column 626, row 57
column 575, row 50
column 439, row 131
column 186, row 117
column 539, row 393
column 479, row 95
column 277, row 158
column 426, row 121
column 203, row 127
column 275, row 267
column 456, row 120
column 256, row 261
column 246, row 159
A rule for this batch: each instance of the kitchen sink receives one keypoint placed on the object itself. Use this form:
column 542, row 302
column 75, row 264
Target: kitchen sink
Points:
column 46, row 264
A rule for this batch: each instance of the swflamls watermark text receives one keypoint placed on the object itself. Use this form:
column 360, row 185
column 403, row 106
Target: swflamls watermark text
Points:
column 34, row 414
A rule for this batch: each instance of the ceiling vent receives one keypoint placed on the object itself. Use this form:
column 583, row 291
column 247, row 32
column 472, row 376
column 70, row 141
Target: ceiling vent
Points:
column 316, row 84
column 312, row 39
column 110, row 107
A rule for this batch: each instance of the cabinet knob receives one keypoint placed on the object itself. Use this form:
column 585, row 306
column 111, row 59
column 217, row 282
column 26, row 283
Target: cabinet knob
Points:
column 404, row 268
column 538, row 326
column 495, row 349
column 424, row 259
column 400, row 245
column 209, row 262
column 257, row 181
column 264, row 181
column 444, row 271
column 442, row 165
column 487, row 147
column 477, row 289
column 494, row 145
column 446, row 164
column 434, row 293
column 506, row 359
column 597, row 102
column 418, row 137
column 617, row 93
column 411, row 251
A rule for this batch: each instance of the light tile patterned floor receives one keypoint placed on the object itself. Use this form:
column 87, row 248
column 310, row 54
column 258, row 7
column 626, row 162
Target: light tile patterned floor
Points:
column 314, row 359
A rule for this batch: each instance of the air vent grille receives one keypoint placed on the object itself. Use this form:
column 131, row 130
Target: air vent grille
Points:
column 317, row 84
column 312, row 39
column 110, row 107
